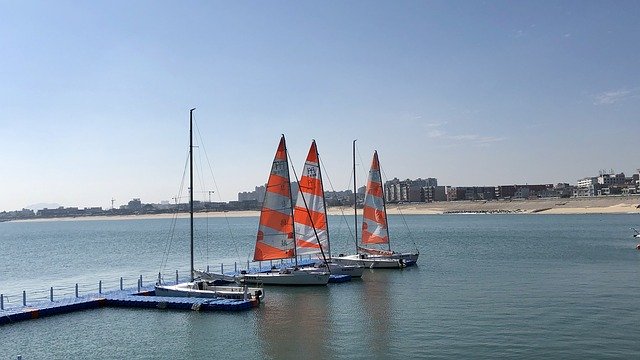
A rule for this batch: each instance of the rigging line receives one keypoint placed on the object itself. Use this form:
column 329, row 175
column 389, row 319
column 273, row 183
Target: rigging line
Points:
column 217, row 191
column 404, row 220
column 344, row 217
column 201, row 180
column 362, row 169
column 172, row 228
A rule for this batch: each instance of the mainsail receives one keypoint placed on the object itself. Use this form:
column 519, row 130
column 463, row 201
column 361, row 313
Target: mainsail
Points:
column 275, row 238
column 310, row 210
column 374, row 224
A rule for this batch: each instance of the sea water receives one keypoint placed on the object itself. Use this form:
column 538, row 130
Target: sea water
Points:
column 486, row 286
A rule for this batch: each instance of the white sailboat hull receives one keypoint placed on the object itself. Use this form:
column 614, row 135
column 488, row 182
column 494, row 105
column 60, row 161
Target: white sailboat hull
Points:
column 353, row 270
column 292, row 277
column 413, row 257
column 201, row 289
column 395, row 261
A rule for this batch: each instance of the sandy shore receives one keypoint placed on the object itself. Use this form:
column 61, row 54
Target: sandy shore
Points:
column 608, row 205
column 603, row 205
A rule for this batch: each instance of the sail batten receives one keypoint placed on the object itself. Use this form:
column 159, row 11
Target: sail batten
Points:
column 310, row 216
column 275, row 239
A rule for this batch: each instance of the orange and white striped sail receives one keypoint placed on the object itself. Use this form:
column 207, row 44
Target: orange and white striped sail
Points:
column 313, row 215
column 374, row 224
column 275, row 238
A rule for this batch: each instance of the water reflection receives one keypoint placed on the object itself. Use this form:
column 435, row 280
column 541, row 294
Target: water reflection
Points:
column 295, row 323
column 377, row 309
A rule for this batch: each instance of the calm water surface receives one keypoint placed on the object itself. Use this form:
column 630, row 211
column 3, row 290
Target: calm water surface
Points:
column 487, row 286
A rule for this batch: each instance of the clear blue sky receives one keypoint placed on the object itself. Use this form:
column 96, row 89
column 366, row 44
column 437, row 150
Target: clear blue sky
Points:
column 95, row 94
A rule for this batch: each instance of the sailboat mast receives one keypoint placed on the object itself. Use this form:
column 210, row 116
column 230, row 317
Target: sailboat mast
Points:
column 191, row 185
column 324, row 205
column 384, row 204
column 355, row 196
column 295, row 246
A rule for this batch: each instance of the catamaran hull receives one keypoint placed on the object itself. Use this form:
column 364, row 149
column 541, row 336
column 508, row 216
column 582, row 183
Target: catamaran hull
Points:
column 342, row 269
column 295, row 278
column 338, row 269
column 396, row 261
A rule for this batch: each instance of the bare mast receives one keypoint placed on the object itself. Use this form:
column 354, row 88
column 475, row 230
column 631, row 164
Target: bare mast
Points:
column 355, row 196
column 191, row 184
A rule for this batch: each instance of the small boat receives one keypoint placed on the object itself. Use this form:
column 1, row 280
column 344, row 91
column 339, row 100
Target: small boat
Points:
column 199, row 287
column 209, row 289
column 287, row 276
column 374, row 228
column 276, row 238
column 636, row 233
column 216, row 278
column 310, row 220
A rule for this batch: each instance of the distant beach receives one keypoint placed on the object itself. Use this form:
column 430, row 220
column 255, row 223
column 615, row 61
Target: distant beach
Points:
column 595, row 205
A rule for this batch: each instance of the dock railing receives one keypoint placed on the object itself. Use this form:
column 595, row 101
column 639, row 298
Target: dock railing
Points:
column 140, row 283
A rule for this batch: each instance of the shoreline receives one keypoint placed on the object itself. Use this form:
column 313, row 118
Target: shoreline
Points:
column 555, row 206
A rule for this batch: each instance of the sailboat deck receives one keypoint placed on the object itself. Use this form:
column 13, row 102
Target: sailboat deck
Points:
column 267, row 267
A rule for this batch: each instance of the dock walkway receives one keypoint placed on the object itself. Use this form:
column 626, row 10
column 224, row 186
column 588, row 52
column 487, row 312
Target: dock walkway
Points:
column 119, row 298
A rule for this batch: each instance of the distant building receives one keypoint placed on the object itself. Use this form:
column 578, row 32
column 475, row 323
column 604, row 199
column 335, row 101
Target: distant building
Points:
column 434, row 193
column 611, row 179
column 524, row 191
column 257, row 194
column 408, row 190
column 471, row 193
column 134, row 205
column 338, row 198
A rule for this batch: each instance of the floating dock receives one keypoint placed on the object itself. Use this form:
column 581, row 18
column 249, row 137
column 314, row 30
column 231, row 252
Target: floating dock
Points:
column 124, row 298
column 140, row 297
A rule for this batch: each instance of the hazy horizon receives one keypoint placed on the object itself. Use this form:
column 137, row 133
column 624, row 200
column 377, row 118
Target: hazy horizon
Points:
column 96, row 97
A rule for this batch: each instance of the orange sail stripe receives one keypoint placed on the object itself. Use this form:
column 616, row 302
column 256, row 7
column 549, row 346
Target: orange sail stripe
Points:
column 281, row 153
column 266, row 252
column 376, row 215
column 276, row 220
column 369, row 238
column 375, row 251
column 279, row 185
column 301, row 216
column 312, row 156
column 311, row 185
column 307, row 244
column 374, row 188
column 375, row 164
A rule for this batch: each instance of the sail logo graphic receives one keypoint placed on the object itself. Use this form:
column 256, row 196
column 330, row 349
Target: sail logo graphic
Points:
column 312, row 172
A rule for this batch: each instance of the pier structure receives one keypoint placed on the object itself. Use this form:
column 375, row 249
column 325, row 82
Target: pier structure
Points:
column 61, row 300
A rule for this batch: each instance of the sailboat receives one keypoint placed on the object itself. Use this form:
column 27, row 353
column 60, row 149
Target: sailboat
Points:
column 310, row 220
column 375, row 231
column 276, row 237
column 198, row 287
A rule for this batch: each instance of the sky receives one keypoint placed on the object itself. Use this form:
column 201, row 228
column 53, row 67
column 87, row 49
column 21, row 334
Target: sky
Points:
column 95, row 95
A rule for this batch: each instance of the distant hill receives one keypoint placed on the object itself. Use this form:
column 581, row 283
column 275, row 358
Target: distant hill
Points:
column 40, row 206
